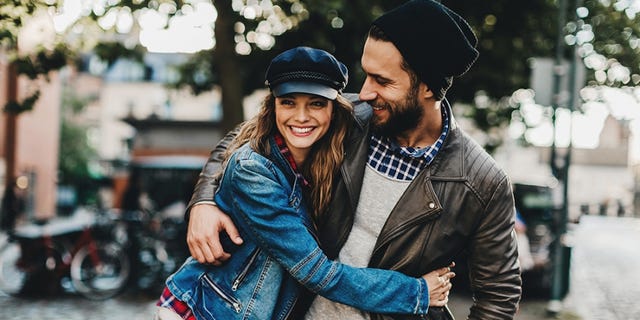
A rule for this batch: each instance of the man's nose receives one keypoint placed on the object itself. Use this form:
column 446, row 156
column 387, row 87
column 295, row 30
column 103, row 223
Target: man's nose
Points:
column 366, row 92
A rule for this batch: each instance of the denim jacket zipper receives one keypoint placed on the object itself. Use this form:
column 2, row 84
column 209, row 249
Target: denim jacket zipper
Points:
column 244, row 272
column 233, row 302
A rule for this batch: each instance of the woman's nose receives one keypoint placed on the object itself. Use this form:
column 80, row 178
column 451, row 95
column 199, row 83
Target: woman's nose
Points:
column 302, row 114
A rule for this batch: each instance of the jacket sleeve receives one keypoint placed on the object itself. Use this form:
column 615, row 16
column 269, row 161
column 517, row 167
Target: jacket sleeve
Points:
column 493, row 263
column 262, row 206
column 207, row 183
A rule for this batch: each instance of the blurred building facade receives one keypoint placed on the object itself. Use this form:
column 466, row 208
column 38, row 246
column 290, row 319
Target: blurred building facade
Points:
column 126, row 91
column 37, row 142
column 129, row 112
column 601, row 178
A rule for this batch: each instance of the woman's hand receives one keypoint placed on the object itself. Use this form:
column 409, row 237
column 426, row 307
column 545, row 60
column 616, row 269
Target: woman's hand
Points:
column 439, row 285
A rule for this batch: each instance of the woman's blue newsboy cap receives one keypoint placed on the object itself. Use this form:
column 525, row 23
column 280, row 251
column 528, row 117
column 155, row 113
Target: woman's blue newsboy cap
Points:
column 306, row 70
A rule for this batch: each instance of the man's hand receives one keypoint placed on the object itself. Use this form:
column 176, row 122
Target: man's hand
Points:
column 206, row 222
column 439, row 285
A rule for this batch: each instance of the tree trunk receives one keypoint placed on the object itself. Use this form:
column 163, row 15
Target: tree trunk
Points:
column 225, row 60
column 7, row 207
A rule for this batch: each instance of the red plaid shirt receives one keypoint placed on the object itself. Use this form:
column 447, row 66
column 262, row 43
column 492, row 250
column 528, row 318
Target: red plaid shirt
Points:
column 167, row 299
column 282, row 146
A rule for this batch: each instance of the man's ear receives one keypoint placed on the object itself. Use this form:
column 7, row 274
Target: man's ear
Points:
column 425, row 92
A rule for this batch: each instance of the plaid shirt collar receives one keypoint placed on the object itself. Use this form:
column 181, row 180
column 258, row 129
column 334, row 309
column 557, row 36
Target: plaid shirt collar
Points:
column 404, row 163
column 286, row 153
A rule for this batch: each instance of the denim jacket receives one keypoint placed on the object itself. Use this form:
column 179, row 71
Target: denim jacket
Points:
column 280, row 252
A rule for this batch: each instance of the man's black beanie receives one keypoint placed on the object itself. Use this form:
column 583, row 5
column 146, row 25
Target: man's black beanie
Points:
column 436, row 42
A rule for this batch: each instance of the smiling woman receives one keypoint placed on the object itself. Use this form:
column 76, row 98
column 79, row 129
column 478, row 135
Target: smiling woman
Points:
column 302, row 119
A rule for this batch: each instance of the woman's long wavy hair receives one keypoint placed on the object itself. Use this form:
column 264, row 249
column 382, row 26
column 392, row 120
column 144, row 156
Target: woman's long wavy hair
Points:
column 325, row 157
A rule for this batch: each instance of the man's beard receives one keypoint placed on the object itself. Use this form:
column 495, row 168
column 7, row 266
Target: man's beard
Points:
column 403, row 117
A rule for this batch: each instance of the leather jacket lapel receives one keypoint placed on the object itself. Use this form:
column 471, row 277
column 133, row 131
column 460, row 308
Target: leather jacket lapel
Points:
column 417, row 205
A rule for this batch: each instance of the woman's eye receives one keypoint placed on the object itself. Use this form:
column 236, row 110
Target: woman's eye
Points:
column 319, row 103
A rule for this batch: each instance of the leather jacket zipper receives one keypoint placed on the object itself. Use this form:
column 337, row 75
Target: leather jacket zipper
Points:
column 427, row 216
column 244, row 272
column 233, row 302
column 390, row 236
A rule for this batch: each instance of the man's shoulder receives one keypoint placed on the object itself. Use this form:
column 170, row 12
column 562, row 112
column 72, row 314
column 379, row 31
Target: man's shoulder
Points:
column 479, row 164
column 362, row 111
column 352, row 97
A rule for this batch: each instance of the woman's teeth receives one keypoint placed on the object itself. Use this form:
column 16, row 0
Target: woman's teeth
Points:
column 301, row 130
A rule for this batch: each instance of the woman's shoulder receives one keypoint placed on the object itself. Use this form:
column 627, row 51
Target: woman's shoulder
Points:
column 246, row 156
column 248, row 168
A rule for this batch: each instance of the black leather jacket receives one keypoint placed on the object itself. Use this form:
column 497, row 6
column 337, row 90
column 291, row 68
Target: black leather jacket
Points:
column 462, row 203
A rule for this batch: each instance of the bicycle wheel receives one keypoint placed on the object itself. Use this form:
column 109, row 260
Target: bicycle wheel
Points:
column 12, row 274
column 100, row 271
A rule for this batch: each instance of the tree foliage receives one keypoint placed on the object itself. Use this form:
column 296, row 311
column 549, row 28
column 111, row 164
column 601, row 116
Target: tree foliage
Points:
column 20, row 18
column 510, row 33
column 614, row 52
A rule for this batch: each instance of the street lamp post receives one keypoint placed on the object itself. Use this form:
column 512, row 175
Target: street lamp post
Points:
column 555, row 304
column 560, row 163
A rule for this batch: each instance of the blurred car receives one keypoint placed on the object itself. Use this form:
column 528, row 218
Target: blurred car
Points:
column 537, row 210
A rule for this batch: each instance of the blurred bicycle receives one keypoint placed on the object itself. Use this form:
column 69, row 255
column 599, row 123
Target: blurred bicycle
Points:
column 155, row 245
column 77, row 254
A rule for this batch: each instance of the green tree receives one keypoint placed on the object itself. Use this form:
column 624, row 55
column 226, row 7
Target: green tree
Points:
column 20, row 19
column 75, row 151
column 510, row 34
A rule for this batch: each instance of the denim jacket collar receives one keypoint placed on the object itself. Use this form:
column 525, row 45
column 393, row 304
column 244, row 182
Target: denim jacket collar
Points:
column 279, row 159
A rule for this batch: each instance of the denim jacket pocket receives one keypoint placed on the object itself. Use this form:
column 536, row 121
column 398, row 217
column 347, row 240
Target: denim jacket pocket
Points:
column 222, row 293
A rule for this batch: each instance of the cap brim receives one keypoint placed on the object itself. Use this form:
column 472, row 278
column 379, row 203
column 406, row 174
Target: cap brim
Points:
column 304, row 87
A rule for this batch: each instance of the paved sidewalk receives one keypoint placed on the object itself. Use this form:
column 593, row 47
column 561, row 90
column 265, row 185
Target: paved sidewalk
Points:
column 605, row 276
column 605, row 269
